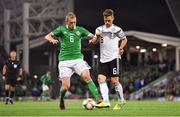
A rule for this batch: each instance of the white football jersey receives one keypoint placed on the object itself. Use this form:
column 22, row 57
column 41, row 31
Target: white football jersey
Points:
column 109, row 42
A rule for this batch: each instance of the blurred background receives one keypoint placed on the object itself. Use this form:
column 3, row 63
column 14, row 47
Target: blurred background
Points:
column 150, row 63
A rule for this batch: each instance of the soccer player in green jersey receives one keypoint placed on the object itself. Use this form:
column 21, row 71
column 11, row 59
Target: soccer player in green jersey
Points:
column 70, row 56
column 46, row 80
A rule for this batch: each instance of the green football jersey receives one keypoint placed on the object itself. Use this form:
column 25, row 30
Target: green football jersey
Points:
column 70, row 46
column 46, row 79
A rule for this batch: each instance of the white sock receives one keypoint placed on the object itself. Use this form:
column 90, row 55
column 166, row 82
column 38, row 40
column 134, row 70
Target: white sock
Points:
column 119, row 91
column 104, row 91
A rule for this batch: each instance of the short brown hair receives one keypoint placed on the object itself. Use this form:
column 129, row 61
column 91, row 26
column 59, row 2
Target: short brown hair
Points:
column 108, row 12
column 70, row 15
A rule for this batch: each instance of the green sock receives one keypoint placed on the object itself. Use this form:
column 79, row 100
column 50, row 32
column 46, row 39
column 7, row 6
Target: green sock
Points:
column 45, row 94
column 92, row 88
column 62, row 95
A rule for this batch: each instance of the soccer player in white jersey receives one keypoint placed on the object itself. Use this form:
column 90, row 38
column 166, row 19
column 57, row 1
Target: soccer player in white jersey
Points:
column 112, row 42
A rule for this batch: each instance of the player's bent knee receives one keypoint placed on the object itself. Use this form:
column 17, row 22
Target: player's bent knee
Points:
column 101, row 78
column 68, row 86
column 7, row 87
column 86, row 78
column 65, row 87
column 114, row 80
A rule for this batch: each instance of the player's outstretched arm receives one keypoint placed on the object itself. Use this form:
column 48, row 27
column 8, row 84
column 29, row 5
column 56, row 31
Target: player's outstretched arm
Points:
column 96, row 37
column 90, row 37
column 122, row 45
column 93, row 40
column 51, row 39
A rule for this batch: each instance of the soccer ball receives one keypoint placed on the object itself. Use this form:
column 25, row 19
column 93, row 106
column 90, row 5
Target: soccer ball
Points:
column 89, row 104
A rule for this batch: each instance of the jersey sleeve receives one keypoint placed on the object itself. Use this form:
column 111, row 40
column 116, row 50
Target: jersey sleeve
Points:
column 57, row 32
column 84, row 32
column 121, row 33
column 98, row 30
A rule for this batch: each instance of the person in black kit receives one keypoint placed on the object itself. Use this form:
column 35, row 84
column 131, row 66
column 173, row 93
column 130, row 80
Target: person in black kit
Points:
column 12, row 72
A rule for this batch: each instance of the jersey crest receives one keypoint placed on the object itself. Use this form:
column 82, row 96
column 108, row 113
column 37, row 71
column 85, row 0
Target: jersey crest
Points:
column 15, row 66
column 78, row 33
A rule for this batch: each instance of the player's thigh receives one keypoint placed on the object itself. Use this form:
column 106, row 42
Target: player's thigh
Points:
column 103, row 70
column 82, row 66
column 85, row 75
column 114, row 67
column 11, row 81
column 64, row 71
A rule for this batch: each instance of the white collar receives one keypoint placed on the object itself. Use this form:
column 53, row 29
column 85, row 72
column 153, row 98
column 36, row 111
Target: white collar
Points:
column 109, row 27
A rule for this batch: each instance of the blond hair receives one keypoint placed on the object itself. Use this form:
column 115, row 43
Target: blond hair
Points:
column 70, row 15
column 108, row 12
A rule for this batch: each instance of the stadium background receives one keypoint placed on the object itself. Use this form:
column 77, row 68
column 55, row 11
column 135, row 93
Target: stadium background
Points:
column 147, row 73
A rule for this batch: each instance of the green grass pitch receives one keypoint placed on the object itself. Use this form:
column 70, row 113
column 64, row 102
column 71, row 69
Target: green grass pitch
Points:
column 74, row 108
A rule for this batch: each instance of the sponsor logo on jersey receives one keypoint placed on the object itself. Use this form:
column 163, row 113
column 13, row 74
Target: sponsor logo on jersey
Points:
column 78, row 33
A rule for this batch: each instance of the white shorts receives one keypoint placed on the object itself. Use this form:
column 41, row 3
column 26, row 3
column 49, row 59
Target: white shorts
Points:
column 45, row 87
column 67, row 68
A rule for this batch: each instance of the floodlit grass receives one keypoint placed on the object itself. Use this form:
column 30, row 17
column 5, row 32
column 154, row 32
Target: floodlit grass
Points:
column 74, row 108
